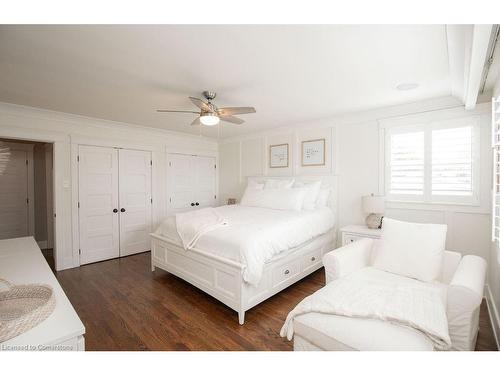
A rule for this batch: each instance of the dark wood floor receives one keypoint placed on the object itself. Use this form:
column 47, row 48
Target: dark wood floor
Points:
column 124, row 306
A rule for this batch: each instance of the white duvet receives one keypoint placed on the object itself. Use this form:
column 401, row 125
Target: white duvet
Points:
column 192, row 225
column 254, row 235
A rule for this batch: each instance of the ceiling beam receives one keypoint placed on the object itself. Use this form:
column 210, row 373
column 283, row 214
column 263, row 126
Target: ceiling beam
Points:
column 467, row 53
column 479, row 52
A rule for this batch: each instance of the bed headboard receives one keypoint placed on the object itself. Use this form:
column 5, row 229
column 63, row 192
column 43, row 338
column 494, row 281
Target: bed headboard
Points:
column 327, row 181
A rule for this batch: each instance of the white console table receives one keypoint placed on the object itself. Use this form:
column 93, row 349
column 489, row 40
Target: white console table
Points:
column 22, row 262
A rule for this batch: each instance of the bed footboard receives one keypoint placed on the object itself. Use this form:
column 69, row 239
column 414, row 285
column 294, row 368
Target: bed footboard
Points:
column 223, row 278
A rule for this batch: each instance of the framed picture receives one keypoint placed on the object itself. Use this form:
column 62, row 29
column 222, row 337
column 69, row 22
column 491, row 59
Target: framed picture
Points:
column 278, row 156
column 313, row 153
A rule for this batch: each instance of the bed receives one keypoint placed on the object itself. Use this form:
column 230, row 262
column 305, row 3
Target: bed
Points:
column 281, row 247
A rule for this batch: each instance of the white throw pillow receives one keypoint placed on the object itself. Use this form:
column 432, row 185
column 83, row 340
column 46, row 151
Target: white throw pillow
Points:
column 312, row 192
column 278, row 184
column 255, row 185
column 323, row 196
column 278, row 199
column 411, row 249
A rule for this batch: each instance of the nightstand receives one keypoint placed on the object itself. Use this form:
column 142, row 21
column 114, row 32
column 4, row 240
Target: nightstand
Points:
column 352, row 233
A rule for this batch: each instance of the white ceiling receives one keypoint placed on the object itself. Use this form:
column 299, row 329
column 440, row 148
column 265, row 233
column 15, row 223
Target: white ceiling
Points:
column 290, row 74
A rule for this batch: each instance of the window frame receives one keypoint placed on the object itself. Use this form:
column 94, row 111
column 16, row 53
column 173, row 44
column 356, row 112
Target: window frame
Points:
column 427, row 127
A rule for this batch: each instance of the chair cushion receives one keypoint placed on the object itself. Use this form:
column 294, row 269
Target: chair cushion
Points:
column 411, row 249
column 334, row 332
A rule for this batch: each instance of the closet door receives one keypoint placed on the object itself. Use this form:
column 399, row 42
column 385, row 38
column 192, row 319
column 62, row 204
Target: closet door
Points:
column 14, row 218
column 135, row 201
column 205, row 181
column 181, row 181
column 98, row 199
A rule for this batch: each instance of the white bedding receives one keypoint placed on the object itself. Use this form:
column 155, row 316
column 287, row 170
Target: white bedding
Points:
column 254, row 235
column 374, row 294
column 192, row 225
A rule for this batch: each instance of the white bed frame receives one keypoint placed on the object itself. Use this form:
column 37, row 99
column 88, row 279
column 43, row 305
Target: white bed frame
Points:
column 223, row 278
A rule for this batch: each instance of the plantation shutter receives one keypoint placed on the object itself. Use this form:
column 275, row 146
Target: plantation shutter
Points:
column 495, row 217
column 452, row 158
column 407, row 163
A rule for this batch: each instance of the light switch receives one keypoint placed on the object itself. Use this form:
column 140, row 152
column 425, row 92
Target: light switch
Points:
column 66, row 184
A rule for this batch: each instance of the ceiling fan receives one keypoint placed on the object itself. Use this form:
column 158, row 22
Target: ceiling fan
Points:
column 210, row 115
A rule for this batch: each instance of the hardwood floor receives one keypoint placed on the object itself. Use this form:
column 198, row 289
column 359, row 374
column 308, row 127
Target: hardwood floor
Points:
column 124, row 306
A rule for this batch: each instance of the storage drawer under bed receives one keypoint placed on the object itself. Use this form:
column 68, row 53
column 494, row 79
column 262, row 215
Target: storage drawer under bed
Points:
column 284, row 272
column 311, row 260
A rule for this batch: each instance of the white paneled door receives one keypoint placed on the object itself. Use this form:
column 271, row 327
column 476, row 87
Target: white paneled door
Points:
column 114, row 202
column 181, row 182
column 135, row 201
column 98, row 204
column 191, row 182
column 205, row 181
column 14, row 208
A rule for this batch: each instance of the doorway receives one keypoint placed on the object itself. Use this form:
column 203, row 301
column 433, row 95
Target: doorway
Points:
column 26, row 192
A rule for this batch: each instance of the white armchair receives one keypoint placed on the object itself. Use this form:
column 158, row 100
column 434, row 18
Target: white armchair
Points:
column 463, row 278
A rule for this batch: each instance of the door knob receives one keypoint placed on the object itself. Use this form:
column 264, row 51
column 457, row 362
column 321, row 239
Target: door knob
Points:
column 197, row 204
column 122, row 210
column 115, row 210
column 192, row 204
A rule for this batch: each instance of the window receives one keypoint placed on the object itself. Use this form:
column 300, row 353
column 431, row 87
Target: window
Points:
column 496, row 174
column 452, row 161
column 433, row 163
column 407, row 163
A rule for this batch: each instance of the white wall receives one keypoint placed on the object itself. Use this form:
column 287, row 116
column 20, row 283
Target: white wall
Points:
column 67, row 131
column 354, row 156
column 249, row 156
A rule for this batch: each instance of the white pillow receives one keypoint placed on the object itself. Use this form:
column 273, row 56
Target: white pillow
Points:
column 255, row 185
column 411, row 249
column 312, row 193
column 278, row 199
column 278, row 184
column 323, row 196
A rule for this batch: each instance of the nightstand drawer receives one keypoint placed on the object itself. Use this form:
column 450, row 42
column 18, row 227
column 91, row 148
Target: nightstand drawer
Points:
column 350, row 238
column 353, row 233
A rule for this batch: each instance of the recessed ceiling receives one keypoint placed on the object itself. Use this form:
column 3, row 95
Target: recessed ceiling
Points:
column 290, row 74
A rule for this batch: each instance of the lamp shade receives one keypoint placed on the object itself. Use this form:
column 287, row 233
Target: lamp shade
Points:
column 373, row 204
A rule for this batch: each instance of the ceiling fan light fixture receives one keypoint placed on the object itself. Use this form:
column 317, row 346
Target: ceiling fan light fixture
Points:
column 209, row 119
column 209, row 114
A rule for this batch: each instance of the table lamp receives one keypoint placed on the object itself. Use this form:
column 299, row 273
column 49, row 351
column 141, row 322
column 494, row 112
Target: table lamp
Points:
column 374, row 205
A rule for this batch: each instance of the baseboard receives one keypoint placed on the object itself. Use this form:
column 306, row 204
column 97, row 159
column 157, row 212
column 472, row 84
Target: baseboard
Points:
column 42, row 244
column 494, row 317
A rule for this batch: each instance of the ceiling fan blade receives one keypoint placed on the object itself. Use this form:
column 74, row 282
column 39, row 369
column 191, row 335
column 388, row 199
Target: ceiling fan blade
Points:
column 200, row 104
column 168, row 110
column 196, row 121
column 232, row 119
column 235, row 110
